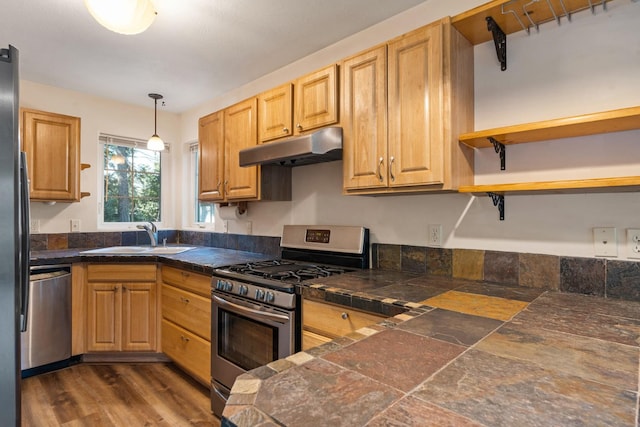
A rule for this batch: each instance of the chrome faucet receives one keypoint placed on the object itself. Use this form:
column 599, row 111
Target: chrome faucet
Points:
column 152, row 231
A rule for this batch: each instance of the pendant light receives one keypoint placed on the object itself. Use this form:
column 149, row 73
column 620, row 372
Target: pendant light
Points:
column 122, row 16
column 155, row 143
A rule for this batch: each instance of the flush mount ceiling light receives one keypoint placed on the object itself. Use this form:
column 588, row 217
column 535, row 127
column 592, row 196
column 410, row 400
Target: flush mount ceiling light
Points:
column 122, row 16
column 155, row 143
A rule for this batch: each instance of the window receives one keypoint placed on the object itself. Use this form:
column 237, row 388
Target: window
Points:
column 132, row 181
column 202, row 212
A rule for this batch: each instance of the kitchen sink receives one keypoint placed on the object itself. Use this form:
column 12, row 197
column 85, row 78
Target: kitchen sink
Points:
column 138, row 250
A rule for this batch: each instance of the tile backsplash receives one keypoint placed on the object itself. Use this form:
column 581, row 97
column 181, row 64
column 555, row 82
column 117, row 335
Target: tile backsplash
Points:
column 590, row 276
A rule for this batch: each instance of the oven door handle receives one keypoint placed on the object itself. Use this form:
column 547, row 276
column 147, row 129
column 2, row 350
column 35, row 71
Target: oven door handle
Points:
column 280, row 318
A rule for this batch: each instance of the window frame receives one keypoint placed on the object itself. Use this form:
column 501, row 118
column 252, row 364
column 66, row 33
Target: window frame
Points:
column 192, row 200
column 104, row 139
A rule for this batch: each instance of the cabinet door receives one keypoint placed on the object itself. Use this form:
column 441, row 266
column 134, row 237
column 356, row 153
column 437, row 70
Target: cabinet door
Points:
column 240, row 131
column 139, row 316
column 364, row 119
column 275, row 109
column 52, row 144
column 211, row 157
column 104, row 317
column 416, row 154
column 316, row 99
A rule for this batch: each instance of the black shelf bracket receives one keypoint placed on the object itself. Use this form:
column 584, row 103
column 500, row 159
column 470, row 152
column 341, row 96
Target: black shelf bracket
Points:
column 501, row 150
column 498, row 201
column 500, row 40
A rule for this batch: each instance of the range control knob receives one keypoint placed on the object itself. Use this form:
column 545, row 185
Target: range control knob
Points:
column 228, row 286
column 270, row 297
column 259, row 294
column 220, row 284
column 244, row 290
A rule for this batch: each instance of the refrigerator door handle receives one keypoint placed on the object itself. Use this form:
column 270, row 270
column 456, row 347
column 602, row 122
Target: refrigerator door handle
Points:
column 25, row 252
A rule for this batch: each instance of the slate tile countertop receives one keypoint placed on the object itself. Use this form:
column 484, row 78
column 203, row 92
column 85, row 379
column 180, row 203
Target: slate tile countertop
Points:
column 201, row 259
column 464, row 354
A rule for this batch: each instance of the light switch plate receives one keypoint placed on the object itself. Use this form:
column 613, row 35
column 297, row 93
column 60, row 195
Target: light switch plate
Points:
column 605, row 242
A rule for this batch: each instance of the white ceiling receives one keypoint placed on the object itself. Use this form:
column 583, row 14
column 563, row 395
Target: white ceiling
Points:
column 194, row 51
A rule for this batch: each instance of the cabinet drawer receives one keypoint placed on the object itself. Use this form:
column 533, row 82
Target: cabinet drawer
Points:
column 187, row 350
column 192, row 282
column 188, row 310
column 334, row 321
column 121, row 272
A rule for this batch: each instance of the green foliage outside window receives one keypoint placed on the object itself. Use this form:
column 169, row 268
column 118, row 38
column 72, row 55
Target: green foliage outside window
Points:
column 131, row 184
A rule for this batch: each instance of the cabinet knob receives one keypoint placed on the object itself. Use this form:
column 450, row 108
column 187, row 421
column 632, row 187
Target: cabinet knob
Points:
column 299, row 126
column 344, row 315
column 183, row 338
column 184, row 300
column 285, row 130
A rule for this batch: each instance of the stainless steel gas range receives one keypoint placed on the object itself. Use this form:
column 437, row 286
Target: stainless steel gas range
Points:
column 255, row 309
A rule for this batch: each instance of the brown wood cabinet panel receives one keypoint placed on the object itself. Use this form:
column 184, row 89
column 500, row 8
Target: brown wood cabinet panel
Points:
column 188, row 350
column 240, row 131
column 78, row 309
column 139, row 319
column 334, row 321
column 187, row 280
column 316, row 99
column 121, row 272
column 52, row 144
column 364, row 119
column 275, row 108
column 188, row 310
column 104, row 314
column 211, row 157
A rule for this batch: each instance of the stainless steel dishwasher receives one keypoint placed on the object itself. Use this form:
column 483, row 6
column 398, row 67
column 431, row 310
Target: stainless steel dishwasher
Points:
column 46, row 344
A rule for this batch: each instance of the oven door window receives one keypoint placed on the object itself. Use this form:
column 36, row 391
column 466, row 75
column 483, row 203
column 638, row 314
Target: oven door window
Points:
column 245, row 342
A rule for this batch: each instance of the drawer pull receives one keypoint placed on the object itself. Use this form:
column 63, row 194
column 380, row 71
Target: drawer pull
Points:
column 345, row 316
column 184, row 300
column 184, row 339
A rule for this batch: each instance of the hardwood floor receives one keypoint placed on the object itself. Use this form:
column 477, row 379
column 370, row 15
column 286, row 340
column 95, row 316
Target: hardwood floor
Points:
column 131, row 395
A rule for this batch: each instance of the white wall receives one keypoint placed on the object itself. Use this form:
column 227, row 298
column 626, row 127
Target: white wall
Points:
column 99, row 115
column 591, row 64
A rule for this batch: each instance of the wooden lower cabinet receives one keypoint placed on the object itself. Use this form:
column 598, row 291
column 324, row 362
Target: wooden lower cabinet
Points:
column 186, row 321
column 322, row 322
column 121, row 313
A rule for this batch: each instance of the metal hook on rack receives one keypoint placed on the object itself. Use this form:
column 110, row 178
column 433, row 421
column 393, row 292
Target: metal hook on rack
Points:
column 526, row 13
column 564, row 9
column 513, row 12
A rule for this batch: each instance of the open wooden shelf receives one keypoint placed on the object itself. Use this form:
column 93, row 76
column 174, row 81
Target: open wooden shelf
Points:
column 596, row 185
column 588, row 124
column 473, row 25
column 84, row 166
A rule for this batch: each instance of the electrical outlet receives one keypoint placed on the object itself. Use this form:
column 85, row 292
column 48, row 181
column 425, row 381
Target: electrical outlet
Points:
column 225, row 226
column 633, row 243
column 605, row 242
column 34, row 225
column 434, row 234
column 248, row 227
column 75, row 225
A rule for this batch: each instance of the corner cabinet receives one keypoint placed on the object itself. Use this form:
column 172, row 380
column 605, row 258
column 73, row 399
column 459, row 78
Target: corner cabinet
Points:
column 52, row 144
column 404, row 104
column 221, row 136
column 121, row 307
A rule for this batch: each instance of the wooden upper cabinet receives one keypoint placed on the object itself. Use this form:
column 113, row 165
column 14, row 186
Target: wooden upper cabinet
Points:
column 211, row 157
column 240, row 131
column 276, row 113
column 316, row 99
column 52, row 144
column 416, row 80
column 364, row 119
column 403, row 106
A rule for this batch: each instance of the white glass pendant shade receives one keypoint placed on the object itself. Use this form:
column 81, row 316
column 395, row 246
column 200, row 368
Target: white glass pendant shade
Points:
column 122, row 16
column 155, row 143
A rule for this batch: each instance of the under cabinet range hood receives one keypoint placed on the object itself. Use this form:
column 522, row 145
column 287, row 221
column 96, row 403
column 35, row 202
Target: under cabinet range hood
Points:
column 324, row 145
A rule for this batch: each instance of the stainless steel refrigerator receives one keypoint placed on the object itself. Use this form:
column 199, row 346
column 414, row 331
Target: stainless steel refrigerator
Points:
column 14, row 239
